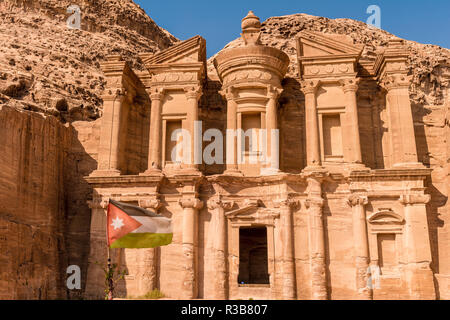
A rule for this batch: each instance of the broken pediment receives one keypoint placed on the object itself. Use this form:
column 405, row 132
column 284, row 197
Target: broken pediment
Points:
column 312, row 44
column 183, row 63
column 252, row 213
column 189, row 51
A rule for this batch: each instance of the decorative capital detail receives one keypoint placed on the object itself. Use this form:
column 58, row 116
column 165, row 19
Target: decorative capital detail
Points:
column 290, row 203
column 219, row 203
column 154, row 204
column 357, row 200
column 396, row 81
column 273, row 92
column 309, row 86
column 229, row 93
column 193, row 92
column 98, row 204
column 155, row 93
column 350, row 85
column 412, row 199
column 314, row 202
column 192, row 203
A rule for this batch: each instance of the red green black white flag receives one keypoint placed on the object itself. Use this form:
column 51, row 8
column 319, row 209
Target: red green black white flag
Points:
column 134, row 227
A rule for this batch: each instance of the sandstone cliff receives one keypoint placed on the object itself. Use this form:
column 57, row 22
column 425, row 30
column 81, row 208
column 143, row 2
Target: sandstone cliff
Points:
column 47, row 67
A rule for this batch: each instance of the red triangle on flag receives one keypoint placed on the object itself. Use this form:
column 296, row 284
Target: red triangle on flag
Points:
column 119, row 224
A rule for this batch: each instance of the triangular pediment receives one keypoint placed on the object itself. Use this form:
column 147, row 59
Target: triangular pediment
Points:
column 313, row 44
column 189, row 51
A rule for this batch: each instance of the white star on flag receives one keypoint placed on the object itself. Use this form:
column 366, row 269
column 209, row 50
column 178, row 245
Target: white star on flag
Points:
column 117, row 223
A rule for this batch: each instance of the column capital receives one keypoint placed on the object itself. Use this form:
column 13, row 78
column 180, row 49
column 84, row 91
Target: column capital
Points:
column 273, row 92
column 314, row 202
column 309, row 86
column 229, row 93
column 191, row 203
column 413, row 199
column 350, row 84
column 193, row 92
column 357, row 200
column 98, row 203
column 155, row 93
column 395, row 81
column 287, row 203
column 219, row 203
column 154, row 204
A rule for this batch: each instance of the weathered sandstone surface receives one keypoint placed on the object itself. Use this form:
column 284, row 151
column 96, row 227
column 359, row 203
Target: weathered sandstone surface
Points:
column 47, row 67
column 50, row 105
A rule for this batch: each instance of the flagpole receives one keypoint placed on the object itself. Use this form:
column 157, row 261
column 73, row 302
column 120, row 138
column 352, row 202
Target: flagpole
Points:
column 110, row 283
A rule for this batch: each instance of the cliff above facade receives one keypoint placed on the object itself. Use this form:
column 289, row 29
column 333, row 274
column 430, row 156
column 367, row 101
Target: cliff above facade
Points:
column 424, row 61
column 47, row 67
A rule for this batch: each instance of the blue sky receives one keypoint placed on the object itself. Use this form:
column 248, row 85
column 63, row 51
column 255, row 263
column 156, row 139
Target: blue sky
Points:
column 425, row 21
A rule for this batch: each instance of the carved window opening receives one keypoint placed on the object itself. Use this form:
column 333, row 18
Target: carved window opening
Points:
column 173, row 147
column 253, row 256
column 332, row 137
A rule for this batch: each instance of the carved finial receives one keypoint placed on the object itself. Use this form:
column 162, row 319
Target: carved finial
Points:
column 251, row 29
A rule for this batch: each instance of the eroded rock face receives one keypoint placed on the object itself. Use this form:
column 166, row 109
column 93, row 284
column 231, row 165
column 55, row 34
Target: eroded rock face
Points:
column 47, row 67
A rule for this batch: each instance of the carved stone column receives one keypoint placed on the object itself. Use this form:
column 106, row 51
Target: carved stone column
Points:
column 190, row 238
column 315, row 204
column 219, row 232
column 309, row 88
column 287, row 236
column 350, row 87
column 149, row 256
column 271, row 126
column 193, row 95
column 417, row 246
column 112, row 123
column 361, row 245
column 401, row 123
column 231, row 152
column 154, row 152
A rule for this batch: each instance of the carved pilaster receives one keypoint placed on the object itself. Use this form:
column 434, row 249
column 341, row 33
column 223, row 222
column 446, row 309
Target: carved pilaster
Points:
column 417, row 245
column 361, row 245
column 309, row 88
column 218, row 230
column 190, row 238
column 288, row 264
column 154, row 152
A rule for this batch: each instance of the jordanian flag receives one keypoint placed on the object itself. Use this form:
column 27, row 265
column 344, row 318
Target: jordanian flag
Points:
column 133, row 227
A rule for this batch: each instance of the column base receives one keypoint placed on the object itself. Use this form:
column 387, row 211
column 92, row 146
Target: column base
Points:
column 233, row 172
column 311, row 169
column 409, row 165
column 269, row 171
column 106, row 173
column 151, row 172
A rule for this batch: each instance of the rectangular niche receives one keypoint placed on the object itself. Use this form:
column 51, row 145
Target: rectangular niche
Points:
column 251, row 125
column 171, row 127
column 332, row 137
column 253, row 257
column 387, row 251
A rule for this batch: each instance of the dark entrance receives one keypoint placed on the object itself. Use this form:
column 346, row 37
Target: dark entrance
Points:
column 253, row 260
